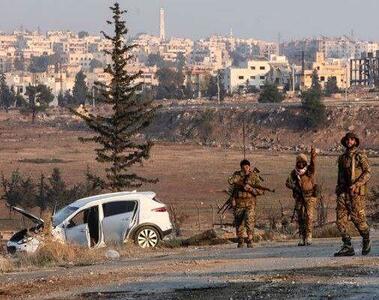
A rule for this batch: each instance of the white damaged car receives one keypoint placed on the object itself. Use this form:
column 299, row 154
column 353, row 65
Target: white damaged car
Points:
column 101, row 220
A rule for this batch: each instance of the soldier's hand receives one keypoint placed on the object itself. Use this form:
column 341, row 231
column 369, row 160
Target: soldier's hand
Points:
column 234, row 203
column 248, row 188
column 313, row 151
column 353, row 189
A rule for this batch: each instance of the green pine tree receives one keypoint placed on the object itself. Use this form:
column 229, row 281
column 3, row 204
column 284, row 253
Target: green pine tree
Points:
column 80, row 90
column 270, row 94
column 314, row 109
column 42, row 200
column 6, row 97
column 115, row 133
column 331, row 86
column 40, row 97
column 56, row 192
column 316, row 86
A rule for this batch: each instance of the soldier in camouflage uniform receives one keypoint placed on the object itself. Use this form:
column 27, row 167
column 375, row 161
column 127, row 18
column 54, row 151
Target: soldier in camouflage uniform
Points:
column 244, row 201
column 353, row 174
column 303, row 185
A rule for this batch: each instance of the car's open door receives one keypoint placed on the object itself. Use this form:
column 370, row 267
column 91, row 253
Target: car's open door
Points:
column 77, row 230
column 118, row 217
column 78, row 235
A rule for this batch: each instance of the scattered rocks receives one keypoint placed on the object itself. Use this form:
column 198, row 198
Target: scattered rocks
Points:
column 112, row 254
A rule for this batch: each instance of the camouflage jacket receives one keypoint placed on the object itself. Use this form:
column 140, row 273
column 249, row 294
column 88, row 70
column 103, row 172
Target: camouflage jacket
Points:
column 304, row 184
column 237, row 183
column 353, row 168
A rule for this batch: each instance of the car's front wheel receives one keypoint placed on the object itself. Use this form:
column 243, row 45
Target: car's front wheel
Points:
column 147, row 237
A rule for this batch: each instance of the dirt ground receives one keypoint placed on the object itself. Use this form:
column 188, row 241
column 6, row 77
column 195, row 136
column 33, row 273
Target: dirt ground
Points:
column 191, row 177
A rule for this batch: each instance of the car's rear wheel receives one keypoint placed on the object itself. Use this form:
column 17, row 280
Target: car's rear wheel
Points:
column 147, row 237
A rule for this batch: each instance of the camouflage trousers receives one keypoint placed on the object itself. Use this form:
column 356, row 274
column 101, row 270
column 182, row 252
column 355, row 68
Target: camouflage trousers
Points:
column 353, row 207
column 244, row 219
column 305, row 216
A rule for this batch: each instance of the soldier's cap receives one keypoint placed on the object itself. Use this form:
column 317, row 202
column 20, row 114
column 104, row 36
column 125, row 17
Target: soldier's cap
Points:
column 244, row 162
column 350, row 135
column 302, row 158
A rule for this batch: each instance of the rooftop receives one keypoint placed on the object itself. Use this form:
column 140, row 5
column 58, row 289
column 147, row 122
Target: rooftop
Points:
column 85, row 201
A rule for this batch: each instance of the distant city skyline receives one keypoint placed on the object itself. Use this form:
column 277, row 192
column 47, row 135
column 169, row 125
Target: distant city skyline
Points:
column 201, row 18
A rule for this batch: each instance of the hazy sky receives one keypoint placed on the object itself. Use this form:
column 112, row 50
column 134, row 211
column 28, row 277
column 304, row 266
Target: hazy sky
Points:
column 199, row 18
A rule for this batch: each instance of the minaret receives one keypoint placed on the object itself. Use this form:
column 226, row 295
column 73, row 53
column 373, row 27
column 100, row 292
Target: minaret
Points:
column 162, row 30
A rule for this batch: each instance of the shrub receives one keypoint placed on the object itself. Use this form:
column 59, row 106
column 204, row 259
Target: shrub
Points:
column 314, row 109
column 270, row 94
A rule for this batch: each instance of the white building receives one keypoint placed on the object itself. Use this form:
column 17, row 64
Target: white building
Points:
column 254, row 74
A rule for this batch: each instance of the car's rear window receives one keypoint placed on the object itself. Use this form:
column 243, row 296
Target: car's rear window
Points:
column 118, row 207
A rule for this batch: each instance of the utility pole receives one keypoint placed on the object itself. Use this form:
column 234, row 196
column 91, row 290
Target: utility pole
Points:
column 346, row 82
column 346, row 74
column 93, row 96
column 244, row 134
column 293, row 78
column 198, row 85
column 218, row 88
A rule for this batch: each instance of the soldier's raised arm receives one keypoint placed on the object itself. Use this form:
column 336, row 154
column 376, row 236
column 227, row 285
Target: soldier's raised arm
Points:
column 312, row 165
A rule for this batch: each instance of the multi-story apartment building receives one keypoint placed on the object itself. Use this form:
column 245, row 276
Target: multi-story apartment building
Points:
column 80, row 59
column 326, row 69
column 7, row 57
column 170, row 50
column 253, row 74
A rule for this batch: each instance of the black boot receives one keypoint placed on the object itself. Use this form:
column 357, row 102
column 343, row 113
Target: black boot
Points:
column 241, row 243
column 366, row 244
column 250, row 244
column 346, row 249
column 301, row 242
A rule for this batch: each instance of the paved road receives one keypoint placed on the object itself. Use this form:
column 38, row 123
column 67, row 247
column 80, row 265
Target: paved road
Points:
column 269, row 271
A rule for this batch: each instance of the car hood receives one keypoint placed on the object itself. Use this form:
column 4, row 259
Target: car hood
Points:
column 30, row 216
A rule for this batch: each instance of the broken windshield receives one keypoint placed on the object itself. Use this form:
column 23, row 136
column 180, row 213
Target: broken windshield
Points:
column 62, row 214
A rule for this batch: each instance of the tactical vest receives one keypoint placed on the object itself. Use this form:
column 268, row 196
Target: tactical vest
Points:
column 243, row 198
column 353, row 170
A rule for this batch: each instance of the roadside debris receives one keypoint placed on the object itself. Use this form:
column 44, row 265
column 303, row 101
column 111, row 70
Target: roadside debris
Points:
column 112, row 254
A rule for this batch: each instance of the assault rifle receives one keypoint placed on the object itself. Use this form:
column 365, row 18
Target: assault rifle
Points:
column 228, row 204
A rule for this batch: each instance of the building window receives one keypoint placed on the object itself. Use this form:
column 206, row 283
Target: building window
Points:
column 253, row 68
column 322, row 78
column 262, row 68
column 241, row 77
column 252, row 77
column 262, row 77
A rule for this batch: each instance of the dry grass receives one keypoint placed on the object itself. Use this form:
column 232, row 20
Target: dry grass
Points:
column 331, row 231
column 5, row 265
column 190, row 176
column 55, row 253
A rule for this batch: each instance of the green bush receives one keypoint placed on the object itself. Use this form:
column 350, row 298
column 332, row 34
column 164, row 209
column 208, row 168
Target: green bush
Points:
column 270, row 94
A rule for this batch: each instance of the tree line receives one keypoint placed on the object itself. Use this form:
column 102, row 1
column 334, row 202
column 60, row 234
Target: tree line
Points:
column 46, row 193
column 37, row 98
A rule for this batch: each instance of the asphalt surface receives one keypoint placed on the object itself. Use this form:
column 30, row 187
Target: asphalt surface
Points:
column 268, row 271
